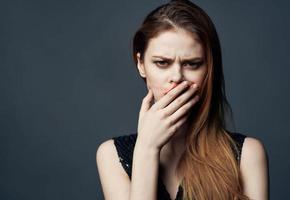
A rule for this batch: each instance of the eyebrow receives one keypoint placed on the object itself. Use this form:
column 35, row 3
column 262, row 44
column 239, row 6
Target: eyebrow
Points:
column 188, row 59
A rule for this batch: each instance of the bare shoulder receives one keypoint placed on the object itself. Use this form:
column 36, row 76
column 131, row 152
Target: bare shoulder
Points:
column 254, row 168
column 114, row 180
column 106, row 151
column 105, row 145
column 253, row 150
column 107, row 157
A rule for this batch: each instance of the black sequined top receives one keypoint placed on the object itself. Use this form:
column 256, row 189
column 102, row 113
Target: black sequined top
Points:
column 125, row 146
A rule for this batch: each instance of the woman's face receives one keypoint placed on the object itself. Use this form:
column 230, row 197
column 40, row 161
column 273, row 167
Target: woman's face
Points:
column 171, row 57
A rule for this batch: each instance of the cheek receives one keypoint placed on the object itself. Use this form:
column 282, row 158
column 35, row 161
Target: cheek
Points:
column 197, row 78
column 157, row 84
column 199, row 81
column 157, row 87
column 200, row 77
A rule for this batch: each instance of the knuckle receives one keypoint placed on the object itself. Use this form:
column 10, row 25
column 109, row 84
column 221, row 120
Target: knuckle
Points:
column 174, row 129
column 169, row 122
column 162, row 114
column 165, row 114
column 184, row 108
column 179, row 100
column 171, row 95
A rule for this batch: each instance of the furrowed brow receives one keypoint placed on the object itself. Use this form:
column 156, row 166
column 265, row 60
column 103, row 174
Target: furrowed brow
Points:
column 194, row 59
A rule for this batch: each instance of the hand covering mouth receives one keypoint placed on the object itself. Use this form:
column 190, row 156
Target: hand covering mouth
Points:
column 171, row 87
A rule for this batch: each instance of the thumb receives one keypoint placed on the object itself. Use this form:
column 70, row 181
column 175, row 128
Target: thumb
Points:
column 147, row 102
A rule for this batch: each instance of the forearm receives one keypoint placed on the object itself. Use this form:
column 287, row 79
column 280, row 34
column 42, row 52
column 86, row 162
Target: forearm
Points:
column 144, row 174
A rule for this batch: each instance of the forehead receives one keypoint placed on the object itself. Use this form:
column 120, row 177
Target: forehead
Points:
column 175, row 43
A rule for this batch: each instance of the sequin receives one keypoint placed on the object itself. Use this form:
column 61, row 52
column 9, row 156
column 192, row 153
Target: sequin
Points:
column 125, row 146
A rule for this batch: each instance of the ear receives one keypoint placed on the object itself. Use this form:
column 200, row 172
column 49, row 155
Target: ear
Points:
column 140, row 66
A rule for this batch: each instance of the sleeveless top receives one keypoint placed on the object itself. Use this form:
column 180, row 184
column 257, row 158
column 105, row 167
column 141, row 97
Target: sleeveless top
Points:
column 125, row 147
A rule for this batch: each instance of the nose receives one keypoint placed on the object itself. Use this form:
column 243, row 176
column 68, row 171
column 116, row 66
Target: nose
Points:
column 177, row 74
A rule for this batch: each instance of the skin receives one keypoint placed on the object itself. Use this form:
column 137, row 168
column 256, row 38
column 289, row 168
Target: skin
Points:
column 162, row 124
column 170, row 58
column 175, row 47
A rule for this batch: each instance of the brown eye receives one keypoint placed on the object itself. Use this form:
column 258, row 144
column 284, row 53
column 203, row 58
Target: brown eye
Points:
column 194, row 65
column 161, row 63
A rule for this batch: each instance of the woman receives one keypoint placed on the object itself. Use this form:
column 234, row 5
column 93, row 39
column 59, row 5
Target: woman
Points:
column 182, row 149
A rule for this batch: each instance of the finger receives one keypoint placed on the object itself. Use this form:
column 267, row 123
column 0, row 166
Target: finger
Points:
column 173, row 86
column 184, row 109
column 170, row 96
column 180, row 100
column 179, row 123
column 146, row 102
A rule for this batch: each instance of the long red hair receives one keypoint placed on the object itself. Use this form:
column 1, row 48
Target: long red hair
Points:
column 208, row 165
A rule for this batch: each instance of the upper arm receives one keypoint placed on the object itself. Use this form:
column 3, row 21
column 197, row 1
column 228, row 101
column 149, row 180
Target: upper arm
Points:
column 114, row 180
column 254, row 169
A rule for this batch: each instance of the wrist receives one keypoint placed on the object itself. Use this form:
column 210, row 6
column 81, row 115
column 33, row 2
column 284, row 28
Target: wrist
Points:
column 141, row 148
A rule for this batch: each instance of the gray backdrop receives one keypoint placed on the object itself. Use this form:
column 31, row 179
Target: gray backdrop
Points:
column 68, row 83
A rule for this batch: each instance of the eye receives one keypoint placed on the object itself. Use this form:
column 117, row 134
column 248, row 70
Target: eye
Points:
column 194, row 65
column 161, row 63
